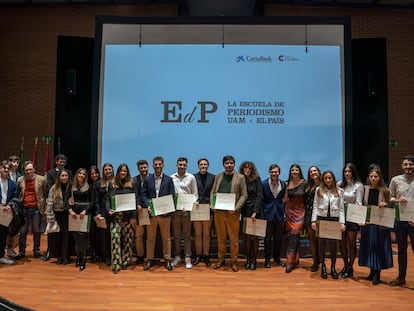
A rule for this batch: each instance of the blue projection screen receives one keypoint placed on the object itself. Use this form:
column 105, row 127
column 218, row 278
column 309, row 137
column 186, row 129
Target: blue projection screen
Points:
column 263, row 102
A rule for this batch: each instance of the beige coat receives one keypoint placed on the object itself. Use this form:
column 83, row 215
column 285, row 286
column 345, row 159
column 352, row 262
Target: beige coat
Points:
column 40, row 191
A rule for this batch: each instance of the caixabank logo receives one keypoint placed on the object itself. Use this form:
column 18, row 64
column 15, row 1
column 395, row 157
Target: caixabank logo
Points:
column 253, row 59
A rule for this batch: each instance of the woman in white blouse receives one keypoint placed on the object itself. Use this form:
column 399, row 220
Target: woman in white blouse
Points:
column 353, row 193
column 328, row 205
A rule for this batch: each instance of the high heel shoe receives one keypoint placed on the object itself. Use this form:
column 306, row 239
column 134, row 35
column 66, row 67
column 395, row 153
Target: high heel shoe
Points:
column 376, row 277
column 324, row 274
column 314, row 267
column 343, row 271
column 371, row 275
column 348, row 273
column 334, row 274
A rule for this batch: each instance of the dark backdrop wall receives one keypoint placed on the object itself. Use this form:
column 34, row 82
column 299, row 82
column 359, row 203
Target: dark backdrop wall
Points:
column 28, row 60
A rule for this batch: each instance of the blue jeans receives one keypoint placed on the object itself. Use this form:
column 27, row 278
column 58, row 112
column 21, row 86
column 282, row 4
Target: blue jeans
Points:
column 32, row 216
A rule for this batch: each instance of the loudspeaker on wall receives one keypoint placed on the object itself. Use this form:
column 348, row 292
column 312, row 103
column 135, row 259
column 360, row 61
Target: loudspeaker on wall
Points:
column 372, row 83
column 71, row 81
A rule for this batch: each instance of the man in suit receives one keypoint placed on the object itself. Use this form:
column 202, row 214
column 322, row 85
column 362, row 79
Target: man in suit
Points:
column 158, row 185
column 228, row 222
column 32, row 191
column 205, row 182
column 142, row 166
column 14, row 174
column 8, row 191
column 274, row 213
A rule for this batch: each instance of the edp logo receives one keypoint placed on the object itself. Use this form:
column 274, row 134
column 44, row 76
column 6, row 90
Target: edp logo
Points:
column 173, row 112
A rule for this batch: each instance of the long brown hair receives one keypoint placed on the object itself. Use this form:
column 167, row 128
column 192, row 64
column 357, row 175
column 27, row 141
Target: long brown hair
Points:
column 324, row 189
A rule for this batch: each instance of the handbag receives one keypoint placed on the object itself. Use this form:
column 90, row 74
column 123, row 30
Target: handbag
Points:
column 52, row 227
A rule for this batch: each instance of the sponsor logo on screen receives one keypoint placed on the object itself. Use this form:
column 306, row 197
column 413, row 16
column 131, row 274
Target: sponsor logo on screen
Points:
column 253, row 59
column 287, row 58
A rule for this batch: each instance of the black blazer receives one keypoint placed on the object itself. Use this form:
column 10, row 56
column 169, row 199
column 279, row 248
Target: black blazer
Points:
column 204, row 190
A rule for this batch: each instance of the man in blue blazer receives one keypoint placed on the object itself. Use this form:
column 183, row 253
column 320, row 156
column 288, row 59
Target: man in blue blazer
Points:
column 8, row 191
column 158, row 185
column 274, row 213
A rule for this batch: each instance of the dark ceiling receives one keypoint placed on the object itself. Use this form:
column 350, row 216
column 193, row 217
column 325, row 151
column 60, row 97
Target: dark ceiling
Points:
column 222, row 7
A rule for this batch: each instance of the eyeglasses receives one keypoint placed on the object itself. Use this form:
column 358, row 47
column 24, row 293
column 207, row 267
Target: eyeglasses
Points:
column 28, row 170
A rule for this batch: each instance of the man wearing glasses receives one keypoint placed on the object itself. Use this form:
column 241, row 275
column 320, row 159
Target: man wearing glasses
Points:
column 32, row 190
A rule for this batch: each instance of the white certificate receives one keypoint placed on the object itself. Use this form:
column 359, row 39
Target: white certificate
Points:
column 124, row 202
column 382, row 216
column 356, row 213
column 101, row 222
column 143, row 217
column 185, row 201
column 224, row 201
column 162, row 205
column 79, row 225
column 329, row 230
column 5, row 217
column 406, row 211
column 256, row 227
column 200, row 212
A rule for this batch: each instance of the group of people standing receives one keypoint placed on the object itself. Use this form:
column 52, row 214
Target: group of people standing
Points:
column 288, row 208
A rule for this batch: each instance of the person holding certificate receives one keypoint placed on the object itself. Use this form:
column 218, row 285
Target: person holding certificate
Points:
column 294, row 199
column 252, row 208
column 158, row 185
column 142, row 166
column 314, row 179
column 402, row 192
column 57, row 217
column 8, row 191
column 228, row 221
column 328, row 205
column 80, row 203
column 184, row 183
column 353, row 193
column 122, row 220
column 202, row 228
column 375, row 246
column 101, row 197
column 274, row 213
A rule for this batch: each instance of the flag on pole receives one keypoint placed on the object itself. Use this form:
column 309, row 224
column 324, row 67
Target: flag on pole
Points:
column 35, row 153
column 21, row 156
column 47, row 161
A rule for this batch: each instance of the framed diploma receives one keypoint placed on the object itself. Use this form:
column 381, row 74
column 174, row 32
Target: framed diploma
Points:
column 124, row 202
column 200, row 212
column 329, row 229
column 143, row 217
column 384, row 216
column 405, row 211
column 224, row 201
column 79, row 225
column 185, row 201
column 356, row 213
column 5, row 217
column 256, row 227
column 162, row 205
column 101, row 222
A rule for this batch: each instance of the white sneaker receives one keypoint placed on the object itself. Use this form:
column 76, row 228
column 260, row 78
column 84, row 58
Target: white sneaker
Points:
column 6, row 261
column 188, row 263
column 176, row 261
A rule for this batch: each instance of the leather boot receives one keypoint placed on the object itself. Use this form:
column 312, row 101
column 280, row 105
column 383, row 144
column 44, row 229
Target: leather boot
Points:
column 207, row 261
column 197, row 260
column 324, row 274
column 82, row 262
column 334, row 273
column 247, row 265
column 253, row 264
column 376, row 277
column 371, row 275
